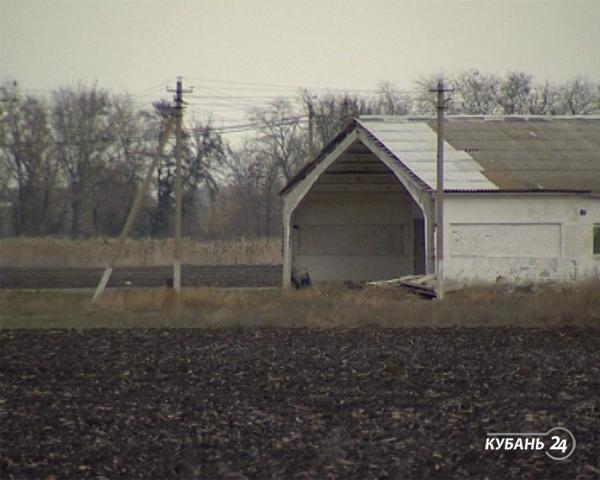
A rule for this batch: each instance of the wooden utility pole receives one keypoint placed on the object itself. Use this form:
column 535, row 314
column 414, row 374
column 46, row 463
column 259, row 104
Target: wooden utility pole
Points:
column 134, row 209
column 439, row 198
column 179, row 91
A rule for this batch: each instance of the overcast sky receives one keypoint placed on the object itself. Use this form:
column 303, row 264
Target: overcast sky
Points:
column 140, row 45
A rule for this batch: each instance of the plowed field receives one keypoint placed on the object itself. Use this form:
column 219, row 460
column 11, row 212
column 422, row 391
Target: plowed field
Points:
column 294, row 403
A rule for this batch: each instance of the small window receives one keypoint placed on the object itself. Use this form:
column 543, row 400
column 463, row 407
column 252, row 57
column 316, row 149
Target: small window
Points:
column 597, row 239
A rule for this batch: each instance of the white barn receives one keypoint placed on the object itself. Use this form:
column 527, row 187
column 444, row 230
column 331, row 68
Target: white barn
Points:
column 522, row 201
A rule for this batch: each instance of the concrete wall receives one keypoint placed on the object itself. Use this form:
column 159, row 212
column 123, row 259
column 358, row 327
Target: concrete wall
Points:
column 354, row 236
column 519, row 237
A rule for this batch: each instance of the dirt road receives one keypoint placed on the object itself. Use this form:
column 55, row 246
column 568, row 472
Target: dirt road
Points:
column 192, row 276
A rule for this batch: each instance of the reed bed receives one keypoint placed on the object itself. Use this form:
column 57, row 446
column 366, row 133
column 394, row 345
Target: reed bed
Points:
column 146, row 252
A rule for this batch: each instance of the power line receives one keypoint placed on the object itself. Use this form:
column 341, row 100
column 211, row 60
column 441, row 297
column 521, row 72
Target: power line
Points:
column 282, row 121
column 248, row 84
column 224, row 97
column 248, row 126
column 242, row 97
column 244, row 82
column 237, row 96
column 159, row 86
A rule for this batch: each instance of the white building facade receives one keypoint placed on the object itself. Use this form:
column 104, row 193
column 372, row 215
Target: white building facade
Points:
column 522, row 201
column 521, row 237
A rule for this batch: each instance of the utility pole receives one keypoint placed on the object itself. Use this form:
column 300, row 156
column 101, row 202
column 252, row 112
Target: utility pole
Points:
column 179, row 91
column 439, row 198
column 134, row 210
column 176, row 119
column 311, row 117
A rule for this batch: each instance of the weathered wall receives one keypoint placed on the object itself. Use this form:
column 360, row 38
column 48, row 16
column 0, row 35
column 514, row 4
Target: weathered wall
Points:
column 354, row 236
column 350, row 219
column 519, row 237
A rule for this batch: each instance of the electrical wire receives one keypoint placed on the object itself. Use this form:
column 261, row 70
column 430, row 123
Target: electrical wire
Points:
column 236, row 96
column 248, row 85
column 236, row 128
column 149, row 90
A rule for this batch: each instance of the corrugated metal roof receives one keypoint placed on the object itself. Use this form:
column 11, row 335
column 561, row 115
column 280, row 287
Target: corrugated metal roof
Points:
column 414, row 144
column 513, row 153
column 540, row 153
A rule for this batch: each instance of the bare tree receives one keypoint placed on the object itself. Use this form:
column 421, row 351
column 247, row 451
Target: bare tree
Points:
column 329, row 119
column 125, row 164
column 26, row 156
column 390, row 100
column 280, row 139
column 78, row 158
column 544, row 100
column 206, row 157
column 475, row 93
column 334, row 112
column 203, row 152
column 155, row 121
column 128, row 144
column 579, row 96
column 514, row 93
column 254, row 184
column 81, row 125
column 424, row 101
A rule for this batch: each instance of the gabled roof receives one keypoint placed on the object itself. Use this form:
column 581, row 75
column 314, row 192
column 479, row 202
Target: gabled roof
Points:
column 414, row 143
column 514, row 153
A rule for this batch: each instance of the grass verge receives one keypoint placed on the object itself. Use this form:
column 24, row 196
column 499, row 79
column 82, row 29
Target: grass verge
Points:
column 324, row 307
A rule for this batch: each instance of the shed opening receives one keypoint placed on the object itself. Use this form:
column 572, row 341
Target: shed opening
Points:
column 357, row 223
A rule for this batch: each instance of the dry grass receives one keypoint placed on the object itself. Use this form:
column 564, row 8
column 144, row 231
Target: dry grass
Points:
column 97, row 252
column 325, row 307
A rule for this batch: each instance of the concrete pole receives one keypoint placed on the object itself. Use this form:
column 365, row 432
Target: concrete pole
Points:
column 440, row 193
column 134, row 210
column 311, row 127
column 178, row 209
column 179, row 91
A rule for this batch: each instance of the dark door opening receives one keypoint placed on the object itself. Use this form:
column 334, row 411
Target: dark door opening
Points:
column 419, row 246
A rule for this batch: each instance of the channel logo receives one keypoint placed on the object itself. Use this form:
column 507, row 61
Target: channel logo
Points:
column 558, row 443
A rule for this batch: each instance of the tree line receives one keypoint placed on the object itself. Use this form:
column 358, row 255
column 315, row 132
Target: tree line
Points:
column 71, row 163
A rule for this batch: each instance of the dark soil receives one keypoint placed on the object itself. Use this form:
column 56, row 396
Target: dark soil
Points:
column 191, row 275
column 277, row 403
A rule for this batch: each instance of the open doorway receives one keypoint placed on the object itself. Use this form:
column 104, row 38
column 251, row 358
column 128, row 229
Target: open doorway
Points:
column 419, row 246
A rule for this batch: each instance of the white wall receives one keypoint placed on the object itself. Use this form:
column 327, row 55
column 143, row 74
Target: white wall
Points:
column 520, row 237
column 354, row 236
